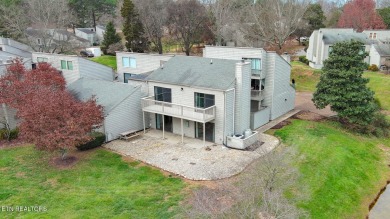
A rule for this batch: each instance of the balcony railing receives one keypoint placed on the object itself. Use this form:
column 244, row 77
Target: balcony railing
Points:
column 149, row 104
column 257, row 95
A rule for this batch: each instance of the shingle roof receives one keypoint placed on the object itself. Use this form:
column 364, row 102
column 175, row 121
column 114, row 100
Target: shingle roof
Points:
column 383, row 49
column 108, row 94
column 335, row 37
column 197, row 72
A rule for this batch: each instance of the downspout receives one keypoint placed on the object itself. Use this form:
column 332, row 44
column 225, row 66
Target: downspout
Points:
column 234, row 104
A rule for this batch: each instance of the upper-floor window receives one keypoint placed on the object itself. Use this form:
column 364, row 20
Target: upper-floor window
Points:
column 374, row 36
column 129, row 62
column 39, row 41
column 163, row 94
column 126, row 77
column 255, row 63
column 66, row 65
column 42, row 59
column 204, row 100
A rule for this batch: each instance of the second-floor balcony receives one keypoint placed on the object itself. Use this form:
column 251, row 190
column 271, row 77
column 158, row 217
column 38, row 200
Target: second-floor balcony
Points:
column 257, row 95
column 149, row 104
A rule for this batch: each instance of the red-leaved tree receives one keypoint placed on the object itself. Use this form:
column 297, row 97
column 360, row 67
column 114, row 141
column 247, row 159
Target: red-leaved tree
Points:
column 361, row 15
column 51, row 117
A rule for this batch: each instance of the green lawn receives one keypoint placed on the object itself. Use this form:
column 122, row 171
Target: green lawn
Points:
column 100, row 185
column 340, row 171
column 109, row 61
column 306, row 79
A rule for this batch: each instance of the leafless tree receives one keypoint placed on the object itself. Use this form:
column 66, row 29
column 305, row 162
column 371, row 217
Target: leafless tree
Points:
column 272, row 21
column 37, row 23
column 258, row 193
column 188, row 21
column 154, row 15
column 4, row 120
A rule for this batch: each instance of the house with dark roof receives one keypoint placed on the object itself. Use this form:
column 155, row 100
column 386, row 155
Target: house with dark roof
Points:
column 121, row 104
column 322, row 40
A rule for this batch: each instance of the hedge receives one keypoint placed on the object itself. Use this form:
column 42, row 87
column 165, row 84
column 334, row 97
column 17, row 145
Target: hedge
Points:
column 98, row 139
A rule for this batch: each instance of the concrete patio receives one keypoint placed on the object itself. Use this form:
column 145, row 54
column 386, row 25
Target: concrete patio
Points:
column 191, row 160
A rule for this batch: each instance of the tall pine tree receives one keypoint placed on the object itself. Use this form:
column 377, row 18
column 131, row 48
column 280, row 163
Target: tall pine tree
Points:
column 342, row 86
column 110, row 37
column 132, row 28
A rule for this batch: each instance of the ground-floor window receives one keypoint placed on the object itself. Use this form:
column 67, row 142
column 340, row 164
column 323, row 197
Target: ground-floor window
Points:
column 209, row 129
column 126, row 77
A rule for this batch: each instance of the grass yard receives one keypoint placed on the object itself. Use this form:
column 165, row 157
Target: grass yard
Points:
column 109, row 61
column 306, row 79
column 342, row 172
column 100, row 185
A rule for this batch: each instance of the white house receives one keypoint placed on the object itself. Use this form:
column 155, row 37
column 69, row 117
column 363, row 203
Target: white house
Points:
column 322, row 40
column 217, row 99
column 121, row 104
column 271, row 92
column 130, row 64
column 380, row 49
column 75, row 67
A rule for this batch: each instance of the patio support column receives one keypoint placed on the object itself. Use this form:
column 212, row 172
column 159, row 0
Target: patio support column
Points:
column 163, row 122
column 204, row 134
column 143, row 120
column 182, row 131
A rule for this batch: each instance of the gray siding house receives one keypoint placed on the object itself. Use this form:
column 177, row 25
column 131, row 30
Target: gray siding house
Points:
column 203, row 98
column 11, row 49
column 121, row 103
column 130, row 64
column 271, row 92
column 321, row 41
column 75, row 67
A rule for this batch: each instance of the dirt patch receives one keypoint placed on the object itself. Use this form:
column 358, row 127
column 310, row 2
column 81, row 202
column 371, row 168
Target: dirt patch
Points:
column 65, row 163
column 310, row 116
column 11, row 144
column 281, row 124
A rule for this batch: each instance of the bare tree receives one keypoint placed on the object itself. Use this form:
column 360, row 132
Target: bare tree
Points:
column 272, row 21
column 154, row 15
column 39, row 23
column 4, row 121
column 188, row 21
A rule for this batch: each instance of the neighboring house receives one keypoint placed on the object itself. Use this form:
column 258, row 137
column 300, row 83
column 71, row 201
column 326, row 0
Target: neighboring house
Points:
column 54, row 40
column 75, row 67
column 215, row 99
column 322, row 40
column 271, row 92
column 8, row 115
column 130, row 64
column 121, row 104
column 100, row 30
column 380, row 54
column 88, row 34
column 378, row 35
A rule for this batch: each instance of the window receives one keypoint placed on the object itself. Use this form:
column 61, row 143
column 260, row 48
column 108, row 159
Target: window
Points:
column 129, row 62
column 255, row 63
column 63, row 64
column 362, row 50
column 1, row 48
column 39, row 41
column 330, row 50
column 163, row 94
column 257, row 84
column 126, row 77
column 66, row 65
column 42, row 59
column 204, row 100
column 370, row 35
column 70, row 65
column 374, row 35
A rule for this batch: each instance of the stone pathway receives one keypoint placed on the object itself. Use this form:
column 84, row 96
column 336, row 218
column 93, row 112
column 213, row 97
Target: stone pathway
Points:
column 191, row 160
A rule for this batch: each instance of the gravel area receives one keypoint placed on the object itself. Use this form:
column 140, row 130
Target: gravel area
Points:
column 191, row 160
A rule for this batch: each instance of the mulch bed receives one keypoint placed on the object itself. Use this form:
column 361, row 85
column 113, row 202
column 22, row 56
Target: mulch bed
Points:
column 310, row 116
column 281, row 124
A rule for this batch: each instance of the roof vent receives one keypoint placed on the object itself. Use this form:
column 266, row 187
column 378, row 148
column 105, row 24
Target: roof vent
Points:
column 211, row 61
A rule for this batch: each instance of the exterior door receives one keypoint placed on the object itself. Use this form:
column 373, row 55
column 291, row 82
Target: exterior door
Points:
column 209, row 129
column 168, row 123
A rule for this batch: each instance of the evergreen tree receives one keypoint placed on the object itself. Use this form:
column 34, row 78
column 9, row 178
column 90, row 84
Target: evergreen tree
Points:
column 132, row 28
column 110, row 37
column 342, row 86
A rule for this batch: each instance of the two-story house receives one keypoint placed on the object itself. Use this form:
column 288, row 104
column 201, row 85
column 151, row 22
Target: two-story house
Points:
column 130, row 64
column 380, row 48
column 75, row 67
column 271, row 93
column 201, row 98
column 322, row 40
column 10, row 50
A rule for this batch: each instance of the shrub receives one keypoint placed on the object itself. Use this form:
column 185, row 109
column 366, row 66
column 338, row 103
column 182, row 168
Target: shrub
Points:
column 373, row 67
column 12, row 135
column 303, row 59
column 98, row 139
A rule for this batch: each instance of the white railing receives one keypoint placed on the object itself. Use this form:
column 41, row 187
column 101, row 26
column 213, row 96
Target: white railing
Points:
column 149, row 104
column 257, row 94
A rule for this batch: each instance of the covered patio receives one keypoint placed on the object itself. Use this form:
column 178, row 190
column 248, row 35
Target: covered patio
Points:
column 192, row 159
